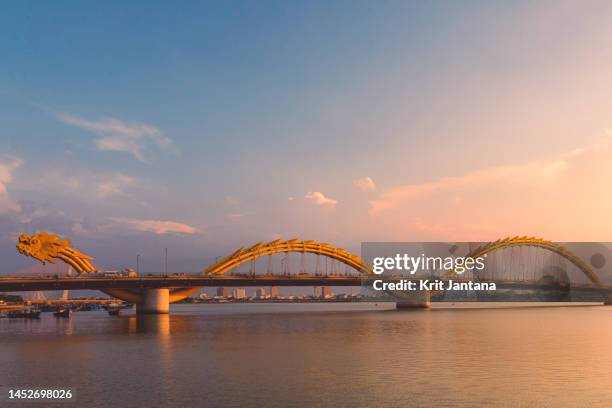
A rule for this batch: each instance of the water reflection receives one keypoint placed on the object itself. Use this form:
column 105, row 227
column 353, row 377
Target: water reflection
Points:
column 251, row 356
column 152, row 324
column 64, row 326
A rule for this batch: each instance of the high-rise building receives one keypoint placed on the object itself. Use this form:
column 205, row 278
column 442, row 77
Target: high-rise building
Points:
column 273, row 292
column 223, row 292
column 326, row 292
column 260, row 293
column 239, row 293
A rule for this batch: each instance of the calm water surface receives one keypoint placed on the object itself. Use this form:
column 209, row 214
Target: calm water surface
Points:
column 323, row 355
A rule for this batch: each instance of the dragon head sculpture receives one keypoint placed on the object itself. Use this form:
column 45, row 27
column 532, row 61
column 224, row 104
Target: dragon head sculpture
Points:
column 47, row 247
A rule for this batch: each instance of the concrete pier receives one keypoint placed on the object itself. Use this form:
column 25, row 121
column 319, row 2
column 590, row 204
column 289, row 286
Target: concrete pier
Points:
column 416, row 300
column 156, row 301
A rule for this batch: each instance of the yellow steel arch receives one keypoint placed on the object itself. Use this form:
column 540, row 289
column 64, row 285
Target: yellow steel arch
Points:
column 541, row 243
column 260, row 249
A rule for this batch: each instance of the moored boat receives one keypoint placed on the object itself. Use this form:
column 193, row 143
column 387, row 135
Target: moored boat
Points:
column 62, row 312
column 24, row 314
column 114, row 312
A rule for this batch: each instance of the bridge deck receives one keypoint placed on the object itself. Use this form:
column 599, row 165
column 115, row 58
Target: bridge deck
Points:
column 36, row 283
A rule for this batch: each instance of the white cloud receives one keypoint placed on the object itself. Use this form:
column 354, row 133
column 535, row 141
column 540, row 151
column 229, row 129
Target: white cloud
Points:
column 155, row 226
column 7, row 167
column 319, row 199
column 365, row 184
column 117, row 135
column 236, row 215
column 84, row 184
column 113, row 184
column 231, row 200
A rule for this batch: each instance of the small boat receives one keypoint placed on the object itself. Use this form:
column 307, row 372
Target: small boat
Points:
column 114, row 312
column 24, row 314
column 111, row 306
column 62, row 312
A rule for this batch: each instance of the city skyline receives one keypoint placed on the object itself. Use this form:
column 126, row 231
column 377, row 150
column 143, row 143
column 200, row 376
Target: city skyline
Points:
column 329, row 121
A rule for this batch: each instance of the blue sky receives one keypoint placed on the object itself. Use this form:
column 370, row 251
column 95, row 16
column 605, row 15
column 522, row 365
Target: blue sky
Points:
column 204, row 126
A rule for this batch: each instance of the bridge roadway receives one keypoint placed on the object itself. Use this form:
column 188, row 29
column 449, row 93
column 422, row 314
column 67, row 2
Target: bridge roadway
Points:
column 93, row 282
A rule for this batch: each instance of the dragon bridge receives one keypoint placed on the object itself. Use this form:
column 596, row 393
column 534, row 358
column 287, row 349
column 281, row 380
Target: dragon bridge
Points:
column 46, row 247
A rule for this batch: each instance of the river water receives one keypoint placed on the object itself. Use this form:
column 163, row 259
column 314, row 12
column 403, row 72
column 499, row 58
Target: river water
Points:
column 316, row 355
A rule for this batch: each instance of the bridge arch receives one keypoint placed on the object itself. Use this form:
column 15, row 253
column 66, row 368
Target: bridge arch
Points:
column 243, row 255
column 278, row 246
column 541, row 243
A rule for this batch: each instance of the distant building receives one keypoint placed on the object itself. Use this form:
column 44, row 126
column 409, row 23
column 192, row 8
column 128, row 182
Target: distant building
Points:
column 239, row 293
column 317, row 292
column 273, row 292
column 326, row 292
column 260, row 293
column 224, row 292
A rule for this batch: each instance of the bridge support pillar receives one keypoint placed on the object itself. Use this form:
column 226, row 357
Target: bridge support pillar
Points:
column 418, row 300
column 156, row 301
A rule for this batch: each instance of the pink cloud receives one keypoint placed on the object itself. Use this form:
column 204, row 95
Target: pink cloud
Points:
column 561, row 197
column 155, row 226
